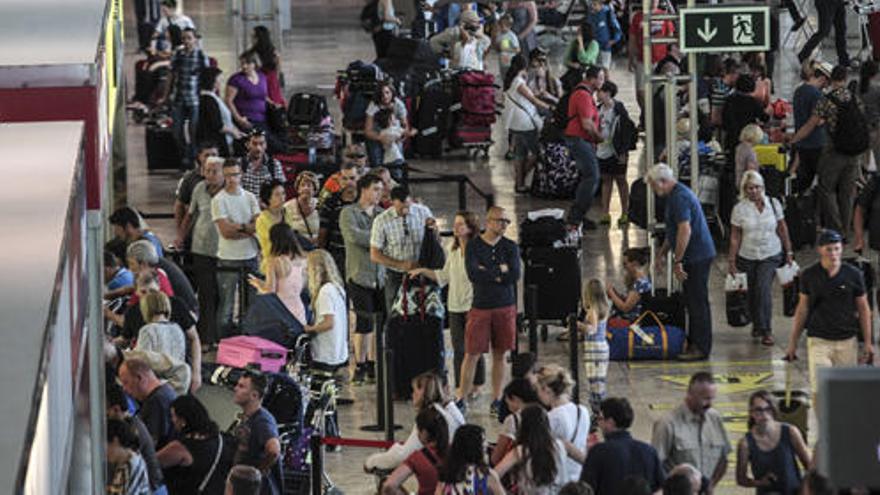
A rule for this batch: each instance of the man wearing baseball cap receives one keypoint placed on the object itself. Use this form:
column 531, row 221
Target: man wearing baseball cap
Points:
column 833, row 306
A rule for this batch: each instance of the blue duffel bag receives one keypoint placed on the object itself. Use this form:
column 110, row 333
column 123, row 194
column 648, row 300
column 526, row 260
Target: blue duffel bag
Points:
column 647, row 338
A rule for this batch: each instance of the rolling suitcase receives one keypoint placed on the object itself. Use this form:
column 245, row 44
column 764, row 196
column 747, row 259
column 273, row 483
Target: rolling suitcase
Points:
column 245, row 351
column 477, row 90
column 415, row 333
column 163, row 152
column 431, row 121
column 638, row 204
column 800, row 216
column 794, row 405
column 556, row 174
column 557, row 274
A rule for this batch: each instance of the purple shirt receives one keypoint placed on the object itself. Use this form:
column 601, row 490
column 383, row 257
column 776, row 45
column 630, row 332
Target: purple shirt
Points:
column 250, row 101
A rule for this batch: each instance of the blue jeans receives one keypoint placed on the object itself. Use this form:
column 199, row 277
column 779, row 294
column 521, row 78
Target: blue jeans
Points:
column 227, row 288
column 696, row 295
column 760, row 275
column 584, row 155
column 180, row 113
column 375, row 153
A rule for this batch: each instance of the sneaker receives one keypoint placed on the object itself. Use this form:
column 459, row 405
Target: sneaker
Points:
column 623, row 221
column 606, row 219
column 461, row 404
column 495, row 408
column 360, row 374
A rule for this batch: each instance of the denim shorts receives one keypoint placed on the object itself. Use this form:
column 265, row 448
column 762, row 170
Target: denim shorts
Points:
column 525, row 142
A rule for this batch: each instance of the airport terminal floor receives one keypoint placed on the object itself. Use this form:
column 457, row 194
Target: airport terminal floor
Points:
column 325, row 39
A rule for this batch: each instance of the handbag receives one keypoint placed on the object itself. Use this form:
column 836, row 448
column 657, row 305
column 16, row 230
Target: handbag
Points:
column 635, row 342
column 537, row 121
column 790, row 297
column 737, row 300
column 276, row 118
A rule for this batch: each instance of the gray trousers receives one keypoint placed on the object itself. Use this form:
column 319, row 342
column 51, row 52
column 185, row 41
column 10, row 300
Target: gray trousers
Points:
column 457, row 323
column 228, row 282
column 760, row 275
column 837, row 188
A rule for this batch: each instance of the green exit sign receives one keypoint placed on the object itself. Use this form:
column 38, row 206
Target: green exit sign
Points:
column 742, row 28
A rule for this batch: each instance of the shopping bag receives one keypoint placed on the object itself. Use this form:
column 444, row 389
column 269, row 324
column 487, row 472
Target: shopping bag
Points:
column 737, row 300
column 786, row 274
column 790, row 297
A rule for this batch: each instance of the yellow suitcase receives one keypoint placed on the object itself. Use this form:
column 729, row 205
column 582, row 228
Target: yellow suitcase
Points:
column 772, row 155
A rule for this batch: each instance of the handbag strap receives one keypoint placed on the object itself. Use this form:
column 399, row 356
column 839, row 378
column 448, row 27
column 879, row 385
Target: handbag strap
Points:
column 210, row 473
column 529, row 114
column 653, row 316
column 577, row 424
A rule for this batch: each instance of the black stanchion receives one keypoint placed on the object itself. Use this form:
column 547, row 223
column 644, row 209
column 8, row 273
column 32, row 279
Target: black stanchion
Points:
column 574, row 354
column 317, row 464
column 532, row 315
column 386, row 394
column 383, row 382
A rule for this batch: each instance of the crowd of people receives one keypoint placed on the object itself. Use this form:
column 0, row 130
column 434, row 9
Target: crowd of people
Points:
column 336, row 253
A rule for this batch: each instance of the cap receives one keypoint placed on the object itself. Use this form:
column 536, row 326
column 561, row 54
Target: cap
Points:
column 469, row 17
column 824, row 67
column 828, row 236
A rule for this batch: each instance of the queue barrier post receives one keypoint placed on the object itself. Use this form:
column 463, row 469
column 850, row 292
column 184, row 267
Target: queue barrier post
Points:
column 574, row 353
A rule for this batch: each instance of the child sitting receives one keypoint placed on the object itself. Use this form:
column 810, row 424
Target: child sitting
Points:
column 629, row 305
column 424, row 463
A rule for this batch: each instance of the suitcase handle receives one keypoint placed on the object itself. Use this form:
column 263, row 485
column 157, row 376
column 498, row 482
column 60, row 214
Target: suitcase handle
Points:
column 653, row 316
column 271, row 355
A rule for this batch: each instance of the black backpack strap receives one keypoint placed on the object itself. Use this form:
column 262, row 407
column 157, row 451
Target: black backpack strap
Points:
column 577, row 424
column 430, row 456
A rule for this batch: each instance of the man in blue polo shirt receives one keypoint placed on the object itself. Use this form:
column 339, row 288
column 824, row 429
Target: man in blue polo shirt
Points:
column 620, row 455
column 689, row 240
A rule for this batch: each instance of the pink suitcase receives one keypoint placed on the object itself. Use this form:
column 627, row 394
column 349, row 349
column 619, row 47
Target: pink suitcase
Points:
column 247, row 351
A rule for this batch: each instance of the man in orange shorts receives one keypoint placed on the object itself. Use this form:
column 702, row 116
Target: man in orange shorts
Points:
column 493, row 267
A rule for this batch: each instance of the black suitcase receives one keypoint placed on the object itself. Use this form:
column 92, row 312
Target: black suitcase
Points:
column 431, row 120
column 557, row 274
column 417, row 344
column 163, row 152
column 670, row 309
column 800, row 217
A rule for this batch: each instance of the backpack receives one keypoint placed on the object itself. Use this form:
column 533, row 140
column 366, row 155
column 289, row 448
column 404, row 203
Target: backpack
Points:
column 555, row 124
column 556, row 174
column 307, row 109
column 850, row 136
column 370, row 16
column 626, row 136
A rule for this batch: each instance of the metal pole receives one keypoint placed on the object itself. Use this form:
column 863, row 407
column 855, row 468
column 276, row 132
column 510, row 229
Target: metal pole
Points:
column 317, row 480
column 648, row 113
column 462, row 194
column 574, row 341
column 671, row 110
column 386, row 395
column 532, row 305
column 693, row 115
column 97, row 409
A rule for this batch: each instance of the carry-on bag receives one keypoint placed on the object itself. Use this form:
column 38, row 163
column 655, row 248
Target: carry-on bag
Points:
column 794, row 405
column 737, row 300
column 268, row 318
column 556, row 174
column 638, row 204
column 800, row 217
column 670, row 309
column 653, row 341
column 772, row 155
column 248, row 351
column 477, row 90
column 163, row 152
column 556, row 272
column 415, row 333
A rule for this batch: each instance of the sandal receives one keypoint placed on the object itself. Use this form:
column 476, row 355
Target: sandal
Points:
column 767, row 340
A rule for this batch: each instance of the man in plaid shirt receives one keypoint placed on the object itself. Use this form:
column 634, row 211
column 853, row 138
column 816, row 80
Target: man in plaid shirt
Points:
column 396, row 239
column 186, row 65
column 257, row 166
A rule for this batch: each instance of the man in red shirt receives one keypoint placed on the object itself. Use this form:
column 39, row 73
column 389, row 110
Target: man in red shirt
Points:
column 582, row 136
column 635, row 50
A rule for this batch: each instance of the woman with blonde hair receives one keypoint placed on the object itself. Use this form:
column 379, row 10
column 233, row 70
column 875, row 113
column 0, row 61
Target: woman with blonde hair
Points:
column 596, row 353
column 159, row 334
column 428, row 392
column 569, row 422
column 302, row 211
column 758, row 239
column 745, row 157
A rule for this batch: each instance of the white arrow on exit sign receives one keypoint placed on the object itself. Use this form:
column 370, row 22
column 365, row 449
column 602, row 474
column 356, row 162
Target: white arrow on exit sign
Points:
column 707, row 32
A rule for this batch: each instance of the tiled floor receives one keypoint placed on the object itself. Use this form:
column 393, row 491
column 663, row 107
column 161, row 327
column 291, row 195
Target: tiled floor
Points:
column 324, row 40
